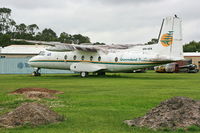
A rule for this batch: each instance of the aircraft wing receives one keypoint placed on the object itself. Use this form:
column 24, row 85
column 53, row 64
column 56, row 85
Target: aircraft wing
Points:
column 61, row 47
column 64, row 47
column 86, row 67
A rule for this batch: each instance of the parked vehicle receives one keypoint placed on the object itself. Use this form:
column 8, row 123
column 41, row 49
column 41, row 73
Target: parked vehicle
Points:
column 175, row 68
column 191, row 68
column 160, row 69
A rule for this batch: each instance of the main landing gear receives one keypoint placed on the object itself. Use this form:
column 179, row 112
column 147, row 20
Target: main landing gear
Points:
column 36, row 72
column 84, row 74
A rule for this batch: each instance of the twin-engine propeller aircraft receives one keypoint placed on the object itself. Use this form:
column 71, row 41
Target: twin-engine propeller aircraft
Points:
column 112, row 58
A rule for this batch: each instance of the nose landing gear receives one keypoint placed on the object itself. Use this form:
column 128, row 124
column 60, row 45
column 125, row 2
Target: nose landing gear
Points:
column 36, row 72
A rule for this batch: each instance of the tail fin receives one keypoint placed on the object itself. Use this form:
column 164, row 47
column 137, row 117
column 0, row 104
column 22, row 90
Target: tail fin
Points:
column 170, row 43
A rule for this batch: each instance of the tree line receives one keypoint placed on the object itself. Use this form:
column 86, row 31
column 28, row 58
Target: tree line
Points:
column 9, row 30
column 192, row 46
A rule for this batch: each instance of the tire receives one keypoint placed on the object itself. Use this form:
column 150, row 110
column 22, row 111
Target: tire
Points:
column 36, row 74
column 84, row 74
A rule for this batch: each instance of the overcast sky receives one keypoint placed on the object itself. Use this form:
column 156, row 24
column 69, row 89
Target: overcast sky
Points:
column 108, row 21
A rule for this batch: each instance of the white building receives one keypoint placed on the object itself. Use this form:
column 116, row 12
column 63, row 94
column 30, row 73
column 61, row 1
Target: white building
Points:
column 13, row 51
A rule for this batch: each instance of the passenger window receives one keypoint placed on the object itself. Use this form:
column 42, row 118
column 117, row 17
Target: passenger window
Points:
column 91, row 58
column 116, row 59
column 99, row 58
column 74, row 57
column 65, row 57
column 82, row 57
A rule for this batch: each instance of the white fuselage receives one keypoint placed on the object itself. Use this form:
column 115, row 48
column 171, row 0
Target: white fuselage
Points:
column 109, row 61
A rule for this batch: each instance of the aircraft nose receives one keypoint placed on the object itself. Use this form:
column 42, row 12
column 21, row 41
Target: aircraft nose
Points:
column 30, row 61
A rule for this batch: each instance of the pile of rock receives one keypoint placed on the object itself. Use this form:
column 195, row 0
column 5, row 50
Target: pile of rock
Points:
column 31, row 114
column 177, row 112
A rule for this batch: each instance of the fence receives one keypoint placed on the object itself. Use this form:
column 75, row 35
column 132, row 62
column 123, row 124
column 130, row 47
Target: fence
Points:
column 20, row 66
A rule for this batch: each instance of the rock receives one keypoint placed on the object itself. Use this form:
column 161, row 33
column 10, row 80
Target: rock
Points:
column 29, row 113
column 177, row 112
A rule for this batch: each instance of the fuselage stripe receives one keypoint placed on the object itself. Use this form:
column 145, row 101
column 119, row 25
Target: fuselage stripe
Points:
column 100, row 62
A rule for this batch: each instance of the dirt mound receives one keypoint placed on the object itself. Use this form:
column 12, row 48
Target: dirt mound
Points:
column 177, row 112
column 23, row 90
column 35, row 93
column 29, row 113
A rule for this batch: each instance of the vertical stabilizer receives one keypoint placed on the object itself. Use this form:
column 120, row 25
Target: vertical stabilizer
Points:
column 170, row 41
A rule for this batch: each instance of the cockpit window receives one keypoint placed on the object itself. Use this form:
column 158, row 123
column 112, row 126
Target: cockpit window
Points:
column 42, row 53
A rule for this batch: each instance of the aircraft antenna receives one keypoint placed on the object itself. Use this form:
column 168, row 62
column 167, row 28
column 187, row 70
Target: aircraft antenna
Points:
column 161, row 29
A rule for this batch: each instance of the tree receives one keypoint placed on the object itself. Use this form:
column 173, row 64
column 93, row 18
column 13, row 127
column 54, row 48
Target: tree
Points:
column 21, row 28
column 78, row 39
column 65, row 38
column 38, row 36
column 12, row 26
column 99, row 43
column 5, row 39
column 47, row 35
column 12, row 31
column 32, row 29
column 192, row 47
column 4, row 19
column 21, row 32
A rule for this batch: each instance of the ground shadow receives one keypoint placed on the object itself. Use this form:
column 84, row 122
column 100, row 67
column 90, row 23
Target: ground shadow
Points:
column 115, row 75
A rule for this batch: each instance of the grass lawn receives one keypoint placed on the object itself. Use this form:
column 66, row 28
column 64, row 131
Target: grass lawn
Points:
column 99, row 104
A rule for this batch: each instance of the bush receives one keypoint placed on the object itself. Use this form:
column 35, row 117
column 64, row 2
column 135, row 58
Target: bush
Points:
column 5, row 40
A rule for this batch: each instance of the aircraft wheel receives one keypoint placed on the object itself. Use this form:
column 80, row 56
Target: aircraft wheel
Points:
column 36, row 74
column 84, row 74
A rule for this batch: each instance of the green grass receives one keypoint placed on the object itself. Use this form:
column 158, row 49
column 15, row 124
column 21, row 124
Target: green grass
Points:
column 99, row 104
